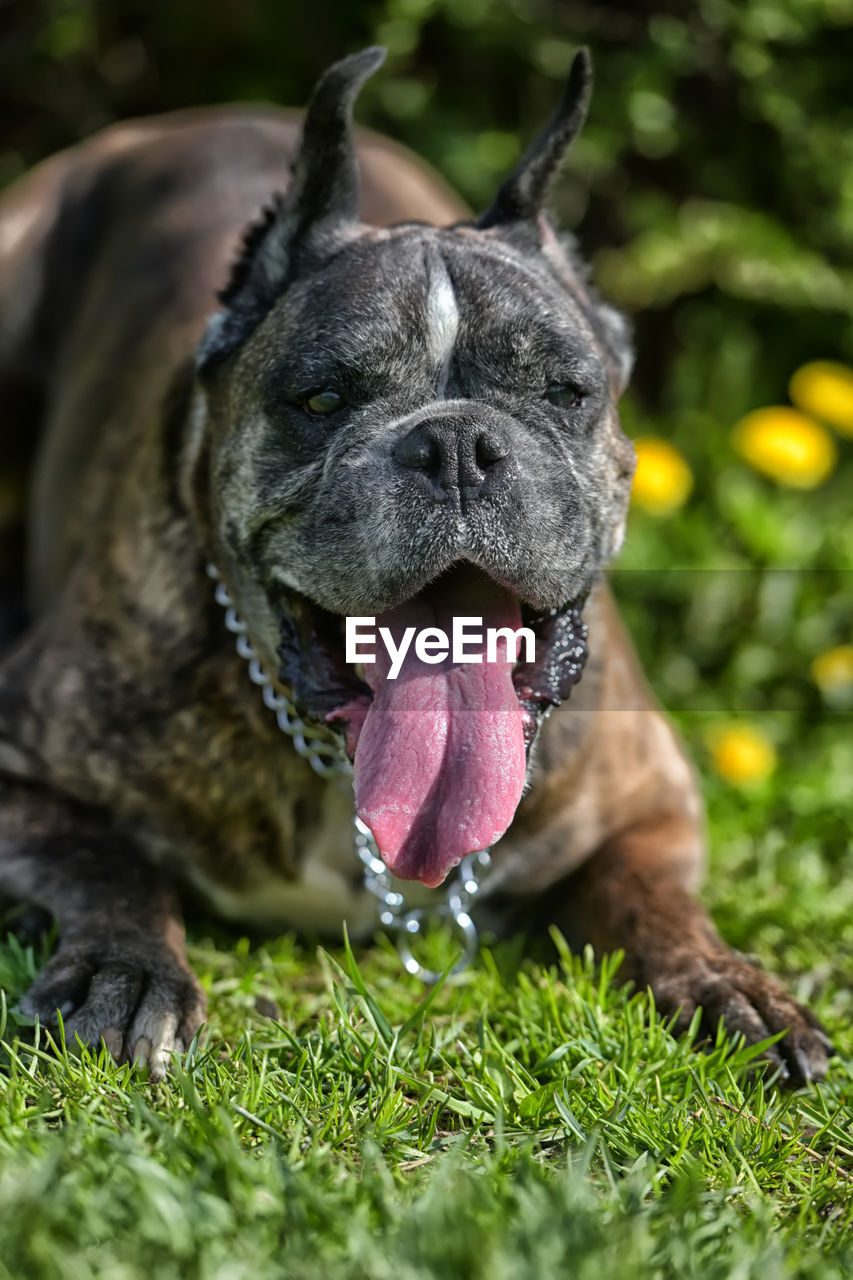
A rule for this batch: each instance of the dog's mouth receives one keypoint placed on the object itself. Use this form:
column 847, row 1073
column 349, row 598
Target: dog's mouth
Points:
column 439, row 749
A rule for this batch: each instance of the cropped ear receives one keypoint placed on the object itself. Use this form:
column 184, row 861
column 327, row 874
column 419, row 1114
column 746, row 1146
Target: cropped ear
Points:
column 322, row 200
column 522, row 197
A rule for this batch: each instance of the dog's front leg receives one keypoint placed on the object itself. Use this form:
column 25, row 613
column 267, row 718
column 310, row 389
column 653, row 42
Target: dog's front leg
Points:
column 120, row 972
column 632, row 895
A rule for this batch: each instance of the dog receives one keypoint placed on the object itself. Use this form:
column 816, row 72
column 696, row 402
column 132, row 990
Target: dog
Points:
column 392, row 413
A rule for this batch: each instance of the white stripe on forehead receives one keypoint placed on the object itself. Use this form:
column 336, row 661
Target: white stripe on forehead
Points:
column 442, row 319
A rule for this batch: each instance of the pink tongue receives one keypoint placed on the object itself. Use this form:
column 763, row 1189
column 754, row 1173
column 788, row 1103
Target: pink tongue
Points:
column 440, row 761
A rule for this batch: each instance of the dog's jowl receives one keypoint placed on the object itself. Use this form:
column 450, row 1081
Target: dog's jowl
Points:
column 388, row 413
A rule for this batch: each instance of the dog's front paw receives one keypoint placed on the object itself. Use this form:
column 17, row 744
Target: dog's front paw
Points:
column 129, row 991
column 749, row 1002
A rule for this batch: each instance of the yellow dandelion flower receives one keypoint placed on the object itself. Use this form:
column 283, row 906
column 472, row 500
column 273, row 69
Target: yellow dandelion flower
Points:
column 663, row 480
column 825, row 390
column 787, row 446
column 832, row 672
column 742, row 754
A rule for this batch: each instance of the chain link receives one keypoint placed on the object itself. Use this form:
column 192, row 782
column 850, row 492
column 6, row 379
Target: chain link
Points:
column 323, row 752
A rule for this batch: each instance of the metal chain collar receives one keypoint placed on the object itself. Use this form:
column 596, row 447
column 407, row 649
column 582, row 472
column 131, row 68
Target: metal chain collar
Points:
column 325, row 755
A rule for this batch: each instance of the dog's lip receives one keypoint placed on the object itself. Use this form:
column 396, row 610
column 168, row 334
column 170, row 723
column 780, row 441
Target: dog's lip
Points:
column 534, row 607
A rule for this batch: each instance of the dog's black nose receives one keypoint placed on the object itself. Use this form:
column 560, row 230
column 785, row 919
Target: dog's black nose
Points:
column 453, row 456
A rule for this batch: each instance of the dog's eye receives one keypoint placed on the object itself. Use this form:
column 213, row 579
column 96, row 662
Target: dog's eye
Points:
column 322, row 403
column 563, row 395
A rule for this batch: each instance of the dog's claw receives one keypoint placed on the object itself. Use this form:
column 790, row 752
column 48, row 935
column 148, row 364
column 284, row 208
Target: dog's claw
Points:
column 114, row 1041
column 803, row 1065
column 825, row 1041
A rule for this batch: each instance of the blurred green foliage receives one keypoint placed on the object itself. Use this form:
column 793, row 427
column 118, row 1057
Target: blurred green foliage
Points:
column 713, row 190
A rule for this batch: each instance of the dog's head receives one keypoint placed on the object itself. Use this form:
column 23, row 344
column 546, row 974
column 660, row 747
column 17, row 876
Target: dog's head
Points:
column 415, row 422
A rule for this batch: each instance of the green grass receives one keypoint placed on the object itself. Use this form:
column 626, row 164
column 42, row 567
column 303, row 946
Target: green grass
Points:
column 532, row 1119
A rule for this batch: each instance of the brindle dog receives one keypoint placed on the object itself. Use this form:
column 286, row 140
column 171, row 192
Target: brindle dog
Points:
column 411, row 416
